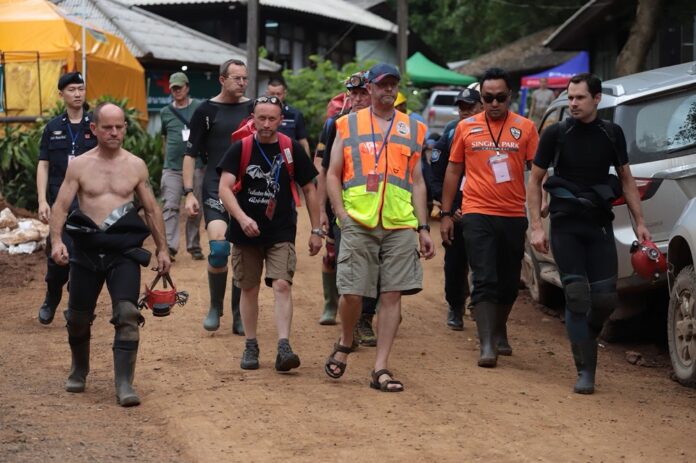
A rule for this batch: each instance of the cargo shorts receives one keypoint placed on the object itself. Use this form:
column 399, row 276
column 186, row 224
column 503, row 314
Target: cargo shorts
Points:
column 248, row 262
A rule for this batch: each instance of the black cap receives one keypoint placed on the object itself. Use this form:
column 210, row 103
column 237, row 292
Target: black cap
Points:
column 468, row 96
column 380, row 71
column 70, row 78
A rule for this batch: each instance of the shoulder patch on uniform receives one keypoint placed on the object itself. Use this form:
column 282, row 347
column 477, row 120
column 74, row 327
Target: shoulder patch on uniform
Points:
column 515, row 132
column 476, row 130
column 435, row 155
column 402, row 128
column 57, row 132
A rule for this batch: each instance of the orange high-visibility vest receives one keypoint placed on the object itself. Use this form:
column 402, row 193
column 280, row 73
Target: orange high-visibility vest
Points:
column 391, row 203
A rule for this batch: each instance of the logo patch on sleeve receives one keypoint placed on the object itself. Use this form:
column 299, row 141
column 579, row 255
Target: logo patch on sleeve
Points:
column 515, row 132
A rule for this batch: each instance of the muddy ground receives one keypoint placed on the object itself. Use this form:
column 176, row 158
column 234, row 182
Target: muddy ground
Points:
column 199, row 406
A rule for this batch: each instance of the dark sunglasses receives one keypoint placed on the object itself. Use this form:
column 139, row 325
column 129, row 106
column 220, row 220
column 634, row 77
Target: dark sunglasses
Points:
column 500, row 98
column 268, row 99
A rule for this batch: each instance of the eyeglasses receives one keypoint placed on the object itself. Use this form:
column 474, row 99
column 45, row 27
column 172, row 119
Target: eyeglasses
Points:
column 500, row 98
column 268, row 99
column 356, row 80
column 238, row 79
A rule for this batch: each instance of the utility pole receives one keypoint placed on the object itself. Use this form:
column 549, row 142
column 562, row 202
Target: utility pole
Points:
column 402, row 38
column 253, row 47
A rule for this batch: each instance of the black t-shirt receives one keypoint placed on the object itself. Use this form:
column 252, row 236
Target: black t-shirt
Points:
column 212, row 125
column 257, row 189
column 326, row 139
column 587, row 151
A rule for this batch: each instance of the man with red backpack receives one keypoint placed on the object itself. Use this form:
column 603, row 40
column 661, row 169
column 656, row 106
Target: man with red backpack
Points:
column 257, row 188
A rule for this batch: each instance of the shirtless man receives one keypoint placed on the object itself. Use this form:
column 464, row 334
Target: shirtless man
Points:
column 107, row 235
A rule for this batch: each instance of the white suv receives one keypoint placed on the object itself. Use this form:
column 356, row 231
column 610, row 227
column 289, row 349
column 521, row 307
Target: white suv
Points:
column 440, row 109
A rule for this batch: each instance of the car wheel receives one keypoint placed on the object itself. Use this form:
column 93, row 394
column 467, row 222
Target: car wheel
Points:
column 539, row 290
column 681, row 326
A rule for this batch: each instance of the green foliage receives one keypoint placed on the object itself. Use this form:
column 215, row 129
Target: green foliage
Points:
column 460, row 29
column 19, row 154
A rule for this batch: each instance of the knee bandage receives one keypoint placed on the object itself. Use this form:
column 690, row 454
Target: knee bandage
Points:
column 219, row 252
column 577, row 293
column 604, row 301
column 127, row 320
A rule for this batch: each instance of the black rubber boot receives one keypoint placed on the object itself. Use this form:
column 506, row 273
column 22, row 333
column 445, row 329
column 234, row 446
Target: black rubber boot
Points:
column 237, row 326
column 48, row 309
column 585, row 356
column 79, row 333
column 125, row 355
column 503, row 344
column 217, row 284
column 455, row 318
column 328, row 282
column 486, row 317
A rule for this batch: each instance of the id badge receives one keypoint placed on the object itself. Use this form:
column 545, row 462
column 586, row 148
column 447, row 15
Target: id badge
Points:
column 270, row 209
column 372, row 183
column 499, row 165
column 185, row 132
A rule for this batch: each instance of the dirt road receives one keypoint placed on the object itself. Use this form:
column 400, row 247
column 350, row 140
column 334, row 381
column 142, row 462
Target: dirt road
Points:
column 198, row 406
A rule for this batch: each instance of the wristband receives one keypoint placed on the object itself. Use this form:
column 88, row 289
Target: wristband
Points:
column 187, row 191
column 445, row 213
column 424, row 226
column 319, row 232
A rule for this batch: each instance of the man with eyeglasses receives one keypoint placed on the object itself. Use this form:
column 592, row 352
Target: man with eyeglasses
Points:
column 257, row 187
column 468, row 103
column 64, row 137
column 378, row 194
column 293, row 124
column 212, row 125
column 496, row 146
column 176, row 129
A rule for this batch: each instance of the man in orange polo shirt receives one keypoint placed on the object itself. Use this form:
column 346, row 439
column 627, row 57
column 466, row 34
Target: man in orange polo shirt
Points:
column 495, row 146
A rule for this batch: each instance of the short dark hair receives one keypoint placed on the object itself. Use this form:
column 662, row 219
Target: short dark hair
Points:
column 495, row 74
column 226, row 64
column 594, row 83
column 277, row 81
column 97, row 111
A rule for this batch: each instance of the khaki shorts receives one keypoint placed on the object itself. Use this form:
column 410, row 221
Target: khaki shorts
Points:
column 369, row 258
column 247, row 264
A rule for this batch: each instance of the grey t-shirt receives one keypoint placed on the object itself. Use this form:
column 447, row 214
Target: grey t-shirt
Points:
column 172, row 128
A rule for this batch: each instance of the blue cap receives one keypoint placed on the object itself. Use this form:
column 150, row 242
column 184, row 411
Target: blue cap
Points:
column 380, row 71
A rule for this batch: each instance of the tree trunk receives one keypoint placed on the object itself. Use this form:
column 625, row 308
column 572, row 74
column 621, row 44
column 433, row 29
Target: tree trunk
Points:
column 640, row 38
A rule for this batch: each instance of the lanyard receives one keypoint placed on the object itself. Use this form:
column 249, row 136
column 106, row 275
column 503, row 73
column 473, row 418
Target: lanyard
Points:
column 73, row 138
column 386, row 137
column 263, row 153
column 495, row 142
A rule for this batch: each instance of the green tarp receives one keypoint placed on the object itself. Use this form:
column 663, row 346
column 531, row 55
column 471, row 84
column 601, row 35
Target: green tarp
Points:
column 424, row 73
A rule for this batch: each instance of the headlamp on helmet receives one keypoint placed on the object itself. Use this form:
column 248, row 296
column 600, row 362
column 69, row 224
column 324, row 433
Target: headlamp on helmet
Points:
column 356, row 80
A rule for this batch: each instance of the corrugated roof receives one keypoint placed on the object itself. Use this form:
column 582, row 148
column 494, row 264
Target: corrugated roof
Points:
column 148, row 35
column 340, row 10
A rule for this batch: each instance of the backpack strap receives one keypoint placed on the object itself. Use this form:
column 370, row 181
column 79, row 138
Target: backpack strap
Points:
column 285, row 143
column 564, row 127
column 608, row 129
column 243, row 162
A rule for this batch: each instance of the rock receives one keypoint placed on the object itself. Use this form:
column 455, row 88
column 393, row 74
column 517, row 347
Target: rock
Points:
column 633, row 357
column 3, row 247
column 19, row 235
column 24, row 248
column 7, row 219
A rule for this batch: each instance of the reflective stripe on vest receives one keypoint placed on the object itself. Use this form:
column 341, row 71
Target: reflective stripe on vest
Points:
column 395, row 201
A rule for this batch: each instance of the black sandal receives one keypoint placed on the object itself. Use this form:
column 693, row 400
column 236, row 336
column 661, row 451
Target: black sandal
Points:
column 332, row 362
column 384, row 385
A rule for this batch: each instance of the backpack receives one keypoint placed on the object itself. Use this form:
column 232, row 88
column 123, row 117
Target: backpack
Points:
column 285, row 143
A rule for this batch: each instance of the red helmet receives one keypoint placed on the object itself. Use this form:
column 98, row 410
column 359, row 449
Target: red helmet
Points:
column 647, row 260
column 162, row 301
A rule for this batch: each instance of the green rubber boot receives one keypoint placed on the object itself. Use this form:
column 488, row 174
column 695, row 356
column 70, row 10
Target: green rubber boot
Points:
column 328, row 281
column 217, row 283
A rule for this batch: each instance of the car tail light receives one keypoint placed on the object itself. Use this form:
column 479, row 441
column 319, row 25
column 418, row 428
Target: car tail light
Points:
column 646, row 189
column 431, row 116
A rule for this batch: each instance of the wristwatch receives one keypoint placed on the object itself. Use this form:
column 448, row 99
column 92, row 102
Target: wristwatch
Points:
column 424, row 226
column 319, row 232
column 445, row 213
column 187, row 191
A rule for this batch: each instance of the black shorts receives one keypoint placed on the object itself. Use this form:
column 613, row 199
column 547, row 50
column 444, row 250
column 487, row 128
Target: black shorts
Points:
column 212, row 206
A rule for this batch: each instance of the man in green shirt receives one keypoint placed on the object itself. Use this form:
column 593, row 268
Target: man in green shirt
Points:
column 176, row 119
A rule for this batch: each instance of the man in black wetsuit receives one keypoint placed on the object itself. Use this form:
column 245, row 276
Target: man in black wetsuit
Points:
column 107, row 235
column 581, row 150
column 212, row 126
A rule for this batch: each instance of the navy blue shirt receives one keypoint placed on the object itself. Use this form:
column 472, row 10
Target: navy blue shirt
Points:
column 60, row 142
column 293, row 123
column 438, row 163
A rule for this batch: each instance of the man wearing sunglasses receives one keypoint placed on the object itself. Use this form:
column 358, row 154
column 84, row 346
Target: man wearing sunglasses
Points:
column 378, row 194
column 494, row 146
column 212, row 124
column 456, row 263
column 257, row 190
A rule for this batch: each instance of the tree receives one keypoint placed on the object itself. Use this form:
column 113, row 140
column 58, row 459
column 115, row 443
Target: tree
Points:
column 640, row 38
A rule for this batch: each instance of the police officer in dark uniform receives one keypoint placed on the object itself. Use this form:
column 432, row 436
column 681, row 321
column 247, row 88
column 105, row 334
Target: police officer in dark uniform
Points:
column 293, row 124
column 468, row 102
column 64, row 137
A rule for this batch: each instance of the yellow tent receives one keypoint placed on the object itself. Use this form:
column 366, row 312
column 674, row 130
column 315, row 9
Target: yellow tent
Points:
column 38, row 43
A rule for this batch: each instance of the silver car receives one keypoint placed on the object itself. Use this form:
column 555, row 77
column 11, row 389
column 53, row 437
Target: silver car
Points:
column 440, row 109
column 657, row 112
